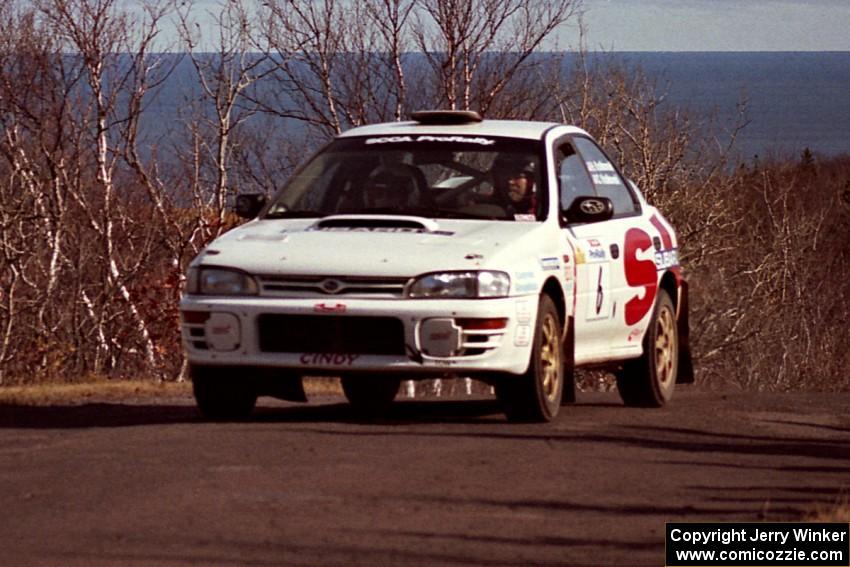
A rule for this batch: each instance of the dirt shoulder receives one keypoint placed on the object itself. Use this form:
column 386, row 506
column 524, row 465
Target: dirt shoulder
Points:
column 131, row 391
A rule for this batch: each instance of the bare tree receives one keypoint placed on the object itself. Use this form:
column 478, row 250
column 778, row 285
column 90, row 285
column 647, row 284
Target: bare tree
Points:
column 337, row 64
column 34, row 107
column 108, row 48
column 390, row 18
column 224, row 76
column 476, row 48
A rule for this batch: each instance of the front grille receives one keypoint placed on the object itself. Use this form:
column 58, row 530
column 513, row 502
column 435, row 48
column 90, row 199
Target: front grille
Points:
column 323, row 286
column 331, row 334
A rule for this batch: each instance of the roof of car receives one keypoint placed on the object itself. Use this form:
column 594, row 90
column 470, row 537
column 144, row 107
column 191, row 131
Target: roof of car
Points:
column 505, row 128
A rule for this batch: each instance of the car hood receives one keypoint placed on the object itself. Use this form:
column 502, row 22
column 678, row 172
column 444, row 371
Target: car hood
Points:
column 359, row 245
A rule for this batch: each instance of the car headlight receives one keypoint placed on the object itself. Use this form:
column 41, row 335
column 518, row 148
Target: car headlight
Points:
column 220, row 281
column 454, row 285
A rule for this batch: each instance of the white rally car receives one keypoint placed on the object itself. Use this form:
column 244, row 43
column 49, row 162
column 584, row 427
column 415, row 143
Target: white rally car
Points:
column 506, row 251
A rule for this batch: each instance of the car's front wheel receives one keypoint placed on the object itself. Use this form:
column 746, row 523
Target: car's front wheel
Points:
column 649, row 381
column 536, row 396
column 221, row 394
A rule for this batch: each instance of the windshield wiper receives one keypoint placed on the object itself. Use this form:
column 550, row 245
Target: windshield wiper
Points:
column 427, row 212
column 294, row 214
column 455, row 214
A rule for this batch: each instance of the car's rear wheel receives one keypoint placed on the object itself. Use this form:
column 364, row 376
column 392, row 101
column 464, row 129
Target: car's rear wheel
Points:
column 221, row 394
column 536, row 396
column 370, row 394
column 649, row 381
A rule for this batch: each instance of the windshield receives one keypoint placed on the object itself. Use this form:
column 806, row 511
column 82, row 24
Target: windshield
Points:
column 433, row 176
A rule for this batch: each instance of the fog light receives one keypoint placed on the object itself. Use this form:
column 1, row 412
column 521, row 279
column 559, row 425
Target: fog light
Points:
column 439, row 337
column 222, row 331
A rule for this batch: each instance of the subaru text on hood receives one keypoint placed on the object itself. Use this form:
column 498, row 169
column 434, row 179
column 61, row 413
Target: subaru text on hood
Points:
column 506, row 251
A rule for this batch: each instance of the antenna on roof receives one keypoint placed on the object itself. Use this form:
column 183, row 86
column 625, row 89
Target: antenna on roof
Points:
column 435, row 117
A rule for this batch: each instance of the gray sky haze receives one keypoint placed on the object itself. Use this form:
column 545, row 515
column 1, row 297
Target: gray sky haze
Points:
column 716, row 25
column 684, row 25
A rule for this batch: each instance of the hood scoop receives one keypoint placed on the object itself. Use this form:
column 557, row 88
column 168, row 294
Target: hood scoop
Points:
column 375, row 223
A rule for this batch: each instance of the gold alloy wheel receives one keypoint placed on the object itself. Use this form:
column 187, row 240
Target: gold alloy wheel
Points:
column 665, row 347
column 550, row 357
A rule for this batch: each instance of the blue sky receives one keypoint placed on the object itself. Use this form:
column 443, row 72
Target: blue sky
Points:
column 716, row 25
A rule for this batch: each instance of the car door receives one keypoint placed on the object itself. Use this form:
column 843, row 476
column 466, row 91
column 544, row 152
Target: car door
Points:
column 639, row 237
column 589, row 270
column 602, row 285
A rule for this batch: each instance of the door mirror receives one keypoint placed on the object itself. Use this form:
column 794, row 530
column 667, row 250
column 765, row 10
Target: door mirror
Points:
column 589, row 209
column 248, row 206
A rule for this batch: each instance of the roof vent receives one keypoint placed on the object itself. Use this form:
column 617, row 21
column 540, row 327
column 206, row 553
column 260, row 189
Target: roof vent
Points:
column 437, row 117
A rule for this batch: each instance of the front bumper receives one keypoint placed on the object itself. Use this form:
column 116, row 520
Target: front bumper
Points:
column 437, row 336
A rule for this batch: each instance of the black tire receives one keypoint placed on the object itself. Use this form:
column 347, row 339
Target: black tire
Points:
column 536, row 396
column 221, row 394
column 370, row 394
column 649, row 381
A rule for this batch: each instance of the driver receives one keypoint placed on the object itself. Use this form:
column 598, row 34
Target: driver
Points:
column 514, row 183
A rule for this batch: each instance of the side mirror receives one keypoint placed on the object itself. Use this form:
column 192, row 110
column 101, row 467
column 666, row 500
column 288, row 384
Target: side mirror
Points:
column 589, row 209
column 248, row 206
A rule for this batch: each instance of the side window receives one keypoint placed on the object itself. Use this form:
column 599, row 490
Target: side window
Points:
column 573, row 180
column 605, row 178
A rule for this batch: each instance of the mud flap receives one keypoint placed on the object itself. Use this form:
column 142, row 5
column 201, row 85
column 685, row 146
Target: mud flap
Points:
column 569, row 395
column 685, row 374
column 289, row 388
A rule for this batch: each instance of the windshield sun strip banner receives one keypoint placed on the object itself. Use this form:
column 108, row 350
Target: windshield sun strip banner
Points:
column 430, row 138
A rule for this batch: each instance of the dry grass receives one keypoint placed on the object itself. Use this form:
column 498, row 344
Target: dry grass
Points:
column 836, row 512
column 107, row 390
column 56, row 393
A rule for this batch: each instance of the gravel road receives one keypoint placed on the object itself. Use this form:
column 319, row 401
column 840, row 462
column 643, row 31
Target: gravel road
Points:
column 434, row 483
